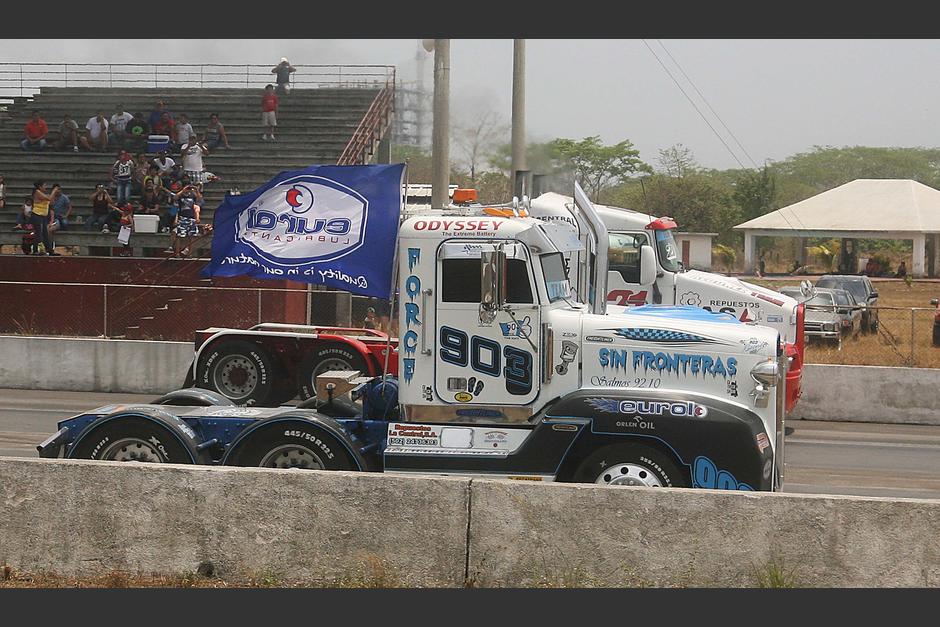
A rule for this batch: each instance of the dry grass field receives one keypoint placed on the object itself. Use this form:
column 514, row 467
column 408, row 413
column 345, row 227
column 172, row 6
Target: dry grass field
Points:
column 905, row 313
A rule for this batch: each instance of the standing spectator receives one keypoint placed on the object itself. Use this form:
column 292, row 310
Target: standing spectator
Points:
column 192, row 154
column 102, row 209
column 118, row 127
column 215, row 133
column 3, row 192
column 269, row 112
column 68, row 134
column 40, row 217
column 136, row 131
column 98, row 131
column 157, row 112
column 122, row 173
column 283, row 70
column 188, row 200
column 183, row 131
column 62, row 206
column 34, row 133
column 24, row 222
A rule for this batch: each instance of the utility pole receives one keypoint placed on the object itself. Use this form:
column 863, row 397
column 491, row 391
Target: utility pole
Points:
column 518, row 168
column 440, row 137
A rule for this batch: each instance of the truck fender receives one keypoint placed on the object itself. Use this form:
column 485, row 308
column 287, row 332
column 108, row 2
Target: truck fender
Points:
column 169, row 425
column 194, row 397
column 308, row 418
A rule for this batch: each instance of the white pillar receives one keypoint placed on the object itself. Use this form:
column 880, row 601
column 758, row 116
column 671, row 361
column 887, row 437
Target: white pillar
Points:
column 920, row 242
column 749, row 244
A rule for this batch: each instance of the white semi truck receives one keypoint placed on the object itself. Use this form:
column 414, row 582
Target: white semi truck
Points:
column 643, row 266
column 503, row 370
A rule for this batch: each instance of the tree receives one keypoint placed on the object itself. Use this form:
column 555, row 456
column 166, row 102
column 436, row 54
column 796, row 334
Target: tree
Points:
column 726, row 255
column 419, row 162
column 755, row 192
column 677, row 161
column 597, row 166
column 478, row 138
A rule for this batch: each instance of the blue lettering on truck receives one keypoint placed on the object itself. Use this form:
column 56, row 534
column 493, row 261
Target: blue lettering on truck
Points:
column 678, row 363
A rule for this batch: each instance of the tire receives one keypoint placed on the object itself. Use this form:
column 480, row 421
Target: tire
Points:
column 193, row 397
column 291, row 443
column 629, row 463
column 139, row 435
column 327, row 356
column 239, row 370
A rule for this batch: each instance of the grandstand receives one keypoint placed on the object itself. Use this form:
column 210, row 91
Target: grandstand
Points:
column 321, row 125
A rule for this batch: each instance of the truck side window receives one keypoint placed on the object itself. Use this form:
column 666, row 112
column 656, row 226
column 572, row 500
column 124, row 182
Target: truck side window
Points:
column 623, row 255
column 460, row 281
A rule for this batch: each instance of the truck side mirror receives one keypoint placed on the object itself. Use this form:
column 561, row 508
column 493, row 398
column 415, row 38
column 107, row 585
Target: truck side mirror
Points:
column 647, row 265
column 807, row 289
column 493, row 284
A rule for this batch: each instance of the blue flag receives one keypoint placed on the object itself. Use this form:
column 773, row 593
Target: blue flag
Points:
column 331, row 224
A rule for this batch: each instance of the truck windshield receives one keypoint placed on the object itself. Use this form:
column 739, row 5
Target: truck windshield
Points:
column 668, row 250
column 556, row 280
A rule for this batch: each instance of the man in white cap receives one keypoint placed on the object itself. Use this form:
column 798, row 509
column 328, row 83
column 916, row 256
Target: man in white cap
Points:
column 283, row 70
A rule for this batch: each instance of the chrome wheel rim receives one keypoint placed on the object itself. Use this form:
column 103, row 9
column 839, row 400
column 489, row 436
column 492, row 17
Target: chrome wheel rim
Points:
column 326, row 366
column 629, row 474
column 133, row 450
column 292, row 456
column 236, row 376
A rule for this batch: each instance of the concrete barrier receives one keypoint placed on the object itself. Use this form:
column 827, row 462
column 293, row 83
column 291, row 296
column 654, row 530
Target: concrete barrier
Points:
column 86, row 518
column 79, row 518
column 93, row 365
column 870, row 394
column 523, row 534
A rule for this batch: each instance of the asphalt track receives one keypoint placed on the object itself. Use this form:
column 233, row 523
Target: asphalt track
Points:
column 860, row 459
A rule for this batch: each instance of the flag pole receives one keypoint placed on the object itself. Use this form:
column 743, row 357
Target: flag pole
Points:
column 402, row 199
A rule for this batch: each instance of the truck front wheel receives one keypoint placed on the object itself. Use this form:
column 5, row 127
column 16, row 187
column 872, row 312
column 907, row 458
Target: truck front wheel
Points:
column 629, row 463
column 239, row 370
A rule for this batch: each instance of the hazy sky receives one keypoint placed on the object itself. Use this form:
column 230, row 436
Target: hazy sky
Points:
column 777, row 97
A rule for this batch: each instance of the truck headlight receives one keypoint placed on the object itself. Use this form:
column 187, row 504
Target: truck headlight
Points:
column 765, row 373
column 829, row 326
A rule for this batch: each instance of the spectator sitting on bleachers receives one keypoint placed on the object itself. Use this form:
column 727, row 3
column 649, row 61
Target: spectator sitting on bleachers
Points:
column 182, row 132
column 158, row 111
column 154, row 181
column 174, row 179
column 24, row 222
column 164, row 165
column 98, row 132
column 164, row 126
column 215, row 136
column 68, row 134
column 103, row 210
column 136, row 132
column 62, row 206
column 118, row 128
column 141, row 168
column 150, row 200
column 192, row 154
column 34, row 133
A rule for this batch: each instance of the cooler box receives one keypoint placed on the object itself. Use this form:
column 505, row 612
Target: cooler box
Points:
column 146, row 223
column 156, row 143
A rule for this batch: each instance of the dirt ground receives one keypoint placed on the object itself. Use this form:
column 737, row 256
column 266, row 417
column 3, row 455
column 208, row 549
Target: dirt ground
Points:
column 904, row 312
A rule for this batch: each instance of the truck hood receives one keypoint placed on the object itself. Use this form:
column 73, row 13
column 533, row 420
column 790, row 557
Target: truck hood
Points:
column 745, row 301
column 666, row 327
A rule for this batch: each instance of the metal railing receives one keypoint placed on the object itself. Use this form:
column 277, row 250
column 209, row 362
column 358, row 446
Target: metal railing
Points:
column 26, row 79
column 165, row 312
column 371, row 128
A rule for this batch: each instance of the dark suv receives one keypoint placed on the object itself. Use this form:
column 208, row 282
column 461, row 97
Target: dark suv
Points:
column 864, row 292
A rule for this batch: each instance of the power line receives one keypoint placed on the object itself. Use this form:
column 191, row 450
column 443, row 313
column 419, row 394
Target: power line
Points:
column 707, row 104
column 694, row 106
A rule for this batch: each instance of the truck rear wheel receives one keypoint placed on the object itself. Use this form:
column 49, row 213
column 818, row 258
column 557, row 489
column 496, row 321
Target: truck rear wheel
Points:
column 629, row 463
column 328, row 356
column 292, row 443
column 239, row 370
column 139, row 435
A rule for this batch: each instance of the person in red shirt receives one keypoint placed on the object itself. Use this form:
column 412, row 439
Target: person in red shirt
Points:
column 164, row 125
column 34, row 133
column 269, row 112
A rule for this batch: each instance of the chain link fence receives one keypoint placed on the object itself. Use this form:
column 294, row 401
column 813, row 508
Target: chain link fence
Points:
column 899, row 336
column 171, row 312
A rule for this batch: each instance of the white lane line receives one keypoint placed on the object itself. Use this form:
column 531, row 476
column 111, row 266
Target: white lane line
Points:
column 857, row 443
